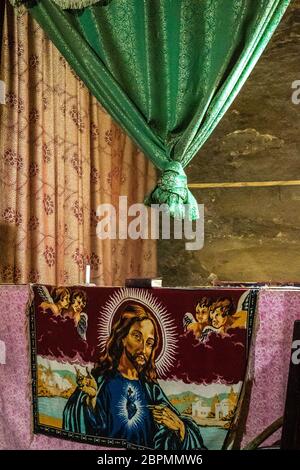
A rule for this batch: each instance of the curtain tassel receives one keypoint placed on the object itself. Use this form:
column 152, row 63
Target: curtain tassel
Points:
column 172, row 190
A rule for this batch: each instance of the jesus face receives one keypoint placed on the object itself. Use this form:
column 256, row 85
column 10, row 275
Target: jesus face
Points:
column 139, row 343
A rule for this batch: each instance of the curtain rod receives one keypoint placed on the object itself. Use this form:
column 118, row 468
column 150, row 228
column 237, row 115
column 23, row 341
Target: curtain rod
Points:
column 243, row 184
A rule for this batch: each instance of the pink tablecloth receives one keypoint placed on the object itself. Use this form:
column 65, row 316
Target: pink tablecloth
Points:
column 270, row 356
column 277, row 312
column 15, row 388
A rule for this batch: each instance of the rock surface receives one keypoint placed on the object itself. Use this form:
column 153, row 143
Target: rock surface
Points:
column 251, row 234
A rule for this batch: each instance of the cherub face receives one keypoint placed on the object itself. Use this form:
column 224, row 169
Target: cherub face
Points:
column 78, row 304
column 65, row 300
column 218, row 317
column 202, row 314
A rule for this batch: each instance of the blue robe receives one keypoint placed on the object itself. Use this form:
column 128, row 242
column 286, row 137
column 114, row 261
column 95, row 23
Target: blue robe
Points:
column 122, row 412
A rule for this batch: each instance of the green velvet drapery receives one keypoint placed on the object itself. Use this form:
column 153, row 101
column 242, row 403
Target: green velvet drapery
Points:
column 64, row 4
column 166, row 70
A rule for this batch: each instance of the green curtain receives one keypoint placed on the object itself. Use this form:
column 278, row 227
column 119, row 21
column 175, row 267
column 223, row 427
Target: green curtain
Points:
column 166, row 70
column 65, row 4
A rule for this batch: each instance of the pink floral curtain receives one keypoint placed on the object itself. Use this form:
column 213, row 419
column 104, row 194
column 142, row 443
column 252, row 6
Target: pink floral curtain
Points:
column 61, row 156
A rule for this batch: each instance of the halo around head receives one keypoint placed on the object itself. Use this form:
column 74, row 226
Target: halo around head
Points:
column 164, row 321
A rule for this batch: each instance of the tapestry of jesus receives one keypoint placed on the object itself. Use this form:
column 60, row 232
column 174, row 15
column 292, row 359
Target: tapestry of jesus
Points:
column 139, row 368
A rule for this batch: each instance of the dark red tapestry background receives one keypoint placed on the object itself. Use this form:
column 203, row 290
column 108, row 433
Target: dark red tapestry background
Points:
column 220, row 359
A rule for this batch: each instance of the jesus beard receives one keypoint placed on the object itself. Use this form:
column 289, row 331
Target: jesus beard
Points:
column 139, row 366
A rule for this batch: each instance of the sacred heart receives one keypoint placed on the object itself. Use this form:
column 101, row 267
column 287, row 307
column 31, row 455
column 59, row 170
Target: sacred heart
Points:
column 130, row 404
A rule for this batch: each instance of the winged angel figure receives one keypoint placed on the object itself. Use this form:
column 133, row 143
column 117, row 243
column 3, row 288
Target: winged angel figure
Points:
column 65, row 304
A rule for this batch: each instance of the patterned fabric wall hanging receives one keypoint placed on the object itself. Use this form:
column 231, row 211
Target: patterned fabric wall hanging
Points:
column 139, row 368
